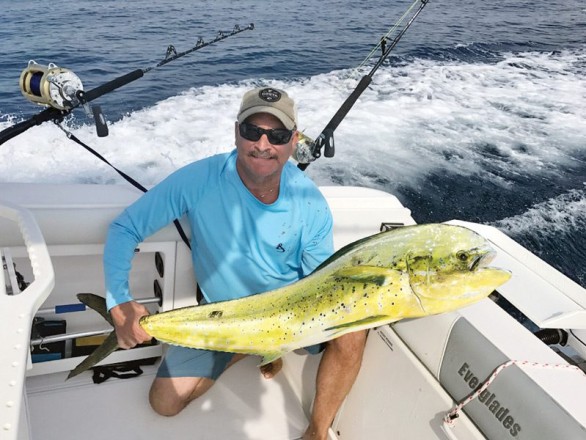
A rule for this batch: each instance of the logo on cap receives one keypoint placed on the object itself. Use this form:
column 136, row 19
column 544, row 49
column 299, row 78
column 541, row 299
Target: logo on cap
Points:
column 269, row 95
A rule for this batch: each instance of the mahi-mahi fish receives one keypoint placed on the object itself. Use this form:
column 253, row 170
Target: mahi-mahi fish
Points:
column 408, row 272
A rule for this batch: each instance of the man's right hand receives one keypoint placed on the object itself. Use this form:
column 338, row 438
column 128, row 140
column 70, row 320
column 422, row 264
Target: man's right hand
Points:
column 125, row 317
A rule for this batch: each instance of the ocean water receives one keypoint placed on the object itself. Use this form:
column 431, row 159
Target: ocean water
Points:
column 479, row 114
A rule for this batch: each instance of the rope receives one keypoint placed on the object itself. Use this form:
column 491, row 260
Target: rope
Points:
column 450, row 417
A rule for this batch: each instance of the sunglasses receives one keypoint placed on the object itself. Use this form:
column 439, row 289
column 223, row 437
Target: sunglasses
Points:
column 276, row 136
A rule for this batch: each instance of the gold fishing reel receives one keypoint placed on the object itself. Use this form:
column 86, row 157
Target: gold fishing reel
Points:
column 307, row 149
column 50, row 85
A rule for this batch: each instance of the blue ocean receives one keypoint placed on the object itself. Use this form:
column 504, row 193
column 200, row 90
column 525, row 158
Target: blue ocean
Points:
column 479, row 114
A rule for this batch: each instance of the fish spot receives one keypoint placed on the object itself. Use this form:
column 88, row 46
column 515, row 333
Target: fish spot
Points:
column 216, row 314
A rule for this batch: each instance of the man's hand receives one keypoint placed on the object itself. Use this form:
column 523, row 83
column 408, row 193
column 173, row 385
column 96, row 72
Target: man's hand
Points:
column 125, row 317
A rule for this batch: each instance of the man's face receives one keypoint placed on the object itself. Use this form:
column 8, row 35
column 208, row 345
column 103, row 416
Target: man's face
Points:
column 261, row 159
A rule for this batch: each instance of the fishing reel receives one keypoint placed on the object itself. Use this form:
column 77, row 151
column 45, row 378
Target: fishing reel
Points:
column 307, row 149
column 59, row 88
column 50, row 85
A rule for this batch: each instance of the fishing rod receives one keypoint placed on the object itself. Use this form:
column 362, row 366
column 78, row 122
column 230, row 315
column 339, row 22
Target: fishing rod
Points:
column 61, row 90
column 308, row 150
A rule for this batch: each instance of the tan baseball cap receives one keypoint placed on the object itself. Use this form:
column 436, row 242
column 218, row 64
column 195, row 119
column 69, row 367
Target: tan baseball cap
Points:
column 269, row 100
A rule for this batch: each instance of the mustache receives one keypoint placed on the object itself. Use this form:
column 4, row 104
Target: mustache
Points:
column 262, row 154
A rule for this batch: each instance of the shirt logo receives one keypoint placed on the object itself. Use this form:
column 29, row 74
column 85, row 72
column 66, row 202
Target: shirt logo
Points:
column 280, row 247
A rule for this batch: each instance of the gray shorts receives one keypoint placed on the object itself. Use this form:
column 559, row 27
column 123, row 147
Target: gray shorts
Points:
column 193, row 362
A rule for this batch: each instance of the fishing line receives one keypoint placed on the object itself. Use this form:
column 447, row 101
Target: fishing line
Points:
column 385, row 38
column 308, row 150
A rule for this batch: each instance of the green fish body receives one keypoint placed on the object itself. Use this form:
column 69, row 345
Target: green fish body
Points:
column 408, row 272
column 404, row 273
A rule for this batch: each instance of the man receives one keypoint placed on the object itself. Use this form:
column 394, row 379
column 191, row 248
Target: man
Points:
column 257, row 223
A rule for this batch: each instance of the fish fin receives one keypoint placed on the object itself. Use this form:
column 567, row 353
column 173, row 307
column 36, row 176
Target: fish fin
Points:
column 346, row 249
column 103, row 351
column 381, row 276
column 97, row 303
column 371, row 321
column 267, row 358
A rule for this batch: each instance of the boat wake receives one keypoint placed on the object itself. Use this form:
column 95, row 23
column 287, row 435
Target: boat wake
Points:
column 565, row 213
column 554, row 230
column 496, row 140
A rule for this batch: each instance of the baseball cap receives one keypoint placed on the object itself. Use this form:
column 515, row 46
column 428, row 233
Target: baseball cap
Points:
column 269, row 100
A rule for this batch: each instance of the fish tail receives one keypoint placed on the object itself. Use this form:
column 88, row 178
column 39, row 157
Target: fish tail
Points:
column 97, row 303
column 107, row 347
column 102, row 352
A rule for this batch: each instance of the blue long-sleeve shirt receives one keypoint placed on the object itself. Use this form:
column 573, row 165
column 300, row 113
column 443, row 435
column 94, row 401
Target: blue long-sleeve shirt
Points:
column 240, row 246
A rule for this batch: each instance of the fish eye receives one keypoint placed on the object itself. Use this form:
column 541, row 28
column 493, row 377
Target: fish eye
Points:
column 462, row 256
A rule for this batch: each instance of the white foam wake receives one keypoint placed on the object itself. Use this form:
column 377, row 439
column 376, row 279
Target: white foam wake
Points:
column 561, row 214
column 521, row 116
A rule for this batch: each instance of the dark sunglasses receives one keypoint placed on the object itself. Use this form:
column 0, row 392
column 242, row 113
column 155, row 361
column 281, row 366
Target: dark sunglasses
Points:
column 276, row 136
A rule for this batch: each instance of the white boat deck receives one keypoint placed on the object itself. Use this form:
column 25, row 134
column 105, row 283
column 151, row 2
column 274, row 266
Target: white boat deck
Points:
column 241, row 405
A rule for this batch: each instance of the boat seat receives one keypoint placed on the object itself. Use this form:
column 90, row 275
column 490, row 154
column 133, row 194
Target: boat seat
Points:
column 461, row 349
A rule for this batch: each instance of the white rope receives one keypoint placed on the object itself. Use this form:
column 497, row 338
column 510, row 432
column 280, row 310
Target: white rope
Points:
column 450, row 417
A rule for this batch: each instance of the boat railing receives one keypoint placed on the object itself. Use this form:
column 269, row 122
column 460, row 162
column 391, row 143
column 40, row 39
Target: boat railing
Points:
column 17, row 309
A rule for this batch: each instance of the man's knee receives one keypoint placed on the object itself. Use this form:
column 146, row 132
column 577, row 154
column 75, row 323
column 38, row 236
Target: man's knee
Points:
column 165, row 408
column 169, row 396
column 164, row 402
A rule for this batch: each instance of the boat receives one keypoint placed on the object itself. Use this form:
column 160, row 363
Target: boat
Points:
column 475, row 373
